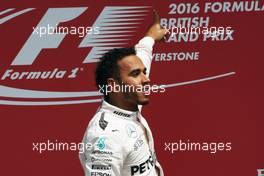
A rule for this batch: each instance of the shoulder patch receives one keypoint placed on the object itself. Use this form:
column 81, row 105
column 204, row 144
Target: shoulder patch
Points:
column 102, row 122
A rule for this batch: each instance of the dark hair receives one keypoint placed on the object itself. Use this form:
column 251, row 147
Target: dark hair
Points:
column 108, row 67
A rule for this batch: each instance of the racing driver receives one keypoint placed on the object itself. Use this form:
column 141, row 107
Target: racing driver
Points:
column 119, row 138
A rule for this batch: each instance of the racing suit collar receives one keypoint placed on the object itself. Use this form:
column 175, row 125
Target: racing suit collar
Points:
column 118, row 112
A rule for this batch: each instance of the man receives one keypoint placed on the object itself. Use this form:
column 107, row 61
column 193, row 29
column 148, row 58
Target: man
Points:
column 121, row 143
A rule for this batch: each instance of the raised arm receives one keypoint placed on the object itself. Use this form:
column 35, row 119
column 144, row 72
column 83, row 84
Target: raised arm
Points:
column 145, row 46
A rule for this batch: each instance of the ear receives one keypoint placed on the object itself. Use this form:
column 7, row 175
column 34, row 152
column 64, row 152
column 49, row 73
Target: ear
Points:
column 111, row 84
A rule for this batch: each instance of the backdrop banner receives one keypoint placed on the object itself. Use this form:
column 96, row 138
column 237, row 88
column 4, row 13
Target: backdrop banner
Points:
column 207, row 121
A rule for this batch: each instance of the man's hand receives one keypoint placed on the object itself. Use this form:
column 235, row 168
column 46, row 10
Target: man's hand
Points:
column 155, row 30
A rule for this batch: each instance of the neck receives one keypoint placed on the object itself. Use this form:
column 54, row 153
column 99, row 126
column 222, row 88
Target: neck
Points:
column 117, row 101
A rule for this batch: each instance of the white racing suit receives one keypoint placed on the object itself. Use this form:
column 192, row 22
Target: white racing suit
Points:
column 119, row 142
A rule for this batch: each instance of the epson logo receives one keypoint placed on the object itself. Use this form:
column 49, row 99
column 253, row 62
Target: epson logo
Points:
column 143, row 167
column 99, row 174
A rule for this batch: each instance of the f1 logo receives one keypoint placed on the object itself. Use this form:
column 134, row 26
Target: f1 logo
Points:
column 35, row 44
column 110, row 20
column 260, row 172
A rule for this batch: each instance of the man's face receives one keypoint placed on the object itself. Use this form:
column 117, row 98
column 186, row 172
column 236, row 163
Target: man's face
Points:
column 133, row 73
